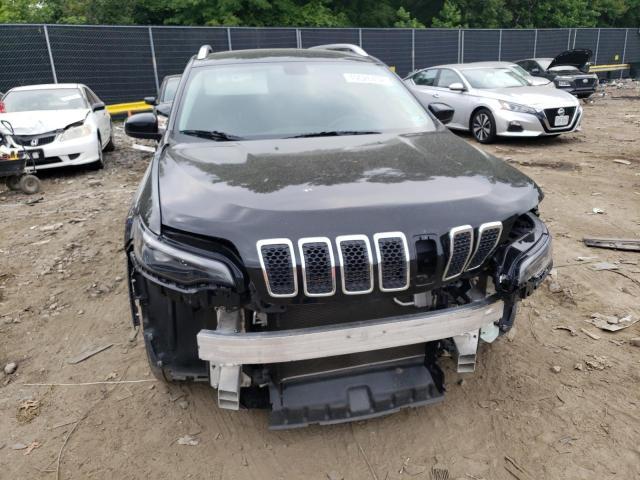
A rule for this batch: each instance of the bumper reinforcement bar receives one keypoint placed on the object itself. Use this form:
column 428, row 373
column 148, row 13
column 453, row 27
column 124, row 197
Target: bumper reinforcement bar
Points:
column 231, row 348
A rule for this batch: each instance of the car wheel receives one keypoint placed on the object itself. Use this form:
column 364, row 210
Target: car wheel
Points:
column 13, row 182
column 99, row 164
column 30, row 184
column 483, row 126
column 111, row 146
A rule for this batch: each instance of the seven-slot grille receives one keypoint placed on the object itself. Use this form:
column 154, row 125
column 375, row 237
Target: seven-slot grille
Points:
column 279, row 267
column 460, row 245
column 356, row 264
column 393, row 261
column 488, row 237
column 318, row 266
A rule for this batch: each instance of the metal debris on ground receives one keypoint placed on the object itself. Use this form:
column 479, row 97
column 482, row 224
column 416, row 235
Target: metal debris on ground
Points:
column 589, row 334
column 189, row 440
column 611, row 323
column 627, row 244
column 81, row 357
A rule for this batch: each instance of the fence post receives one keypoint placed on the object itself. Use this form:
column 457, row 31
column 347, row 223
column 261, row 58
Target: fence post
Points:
column 462, row 47
column 298, row 38
column 597, row 48
column 360, row 37
column 624, row 49
column 569, row 40
column 500, row 47
column 535, row 43
column 575, row 34
column 153, row 60
column 413, row 49
column 53, row 66
column 229, row 38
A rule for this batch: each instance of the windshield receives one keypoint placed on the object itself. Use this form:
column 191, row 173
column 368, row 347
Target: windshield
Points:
column 494, row 78
column 170, row 87
column 521, row 71
column 277, row 100
column 45, row 99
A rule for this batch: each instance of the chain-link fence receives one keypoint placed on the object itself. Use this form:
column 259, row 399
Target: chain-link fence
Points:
column 124, row 64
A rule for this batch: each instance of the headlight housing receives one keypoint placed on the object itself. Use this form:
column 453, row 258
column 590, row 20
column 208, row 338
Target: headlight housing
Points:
column 516, row 107
column 155, row 256
column 74, row 133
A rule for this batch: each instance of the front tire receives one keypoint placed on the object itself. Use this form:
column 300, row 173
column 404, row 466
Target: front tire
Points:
column 111, row 146
column 483, row 126
column 99, row 164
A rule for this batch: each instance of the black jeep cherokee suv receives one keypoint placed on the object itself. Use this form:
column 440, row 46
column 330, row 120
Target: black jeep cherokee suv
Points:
column 309, row 238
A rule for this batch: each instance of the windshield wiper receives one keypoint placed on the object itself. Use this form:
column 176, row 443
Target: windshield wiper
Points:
column 212, row 135
column 335, row 133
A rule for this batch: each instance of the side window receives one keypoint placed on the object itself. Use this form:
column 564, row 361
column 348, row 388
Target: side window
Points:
column 426, row 78
column 447, row 77
column 526, row 64
column 91, row 97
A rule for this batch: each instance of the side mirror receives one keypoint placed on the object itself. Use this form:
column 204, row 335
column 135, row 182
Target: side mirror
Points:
column 143, row 125
column 149, row 100
column 442, row 112
column 98, row 106
column 164, row 109
column 457, row 87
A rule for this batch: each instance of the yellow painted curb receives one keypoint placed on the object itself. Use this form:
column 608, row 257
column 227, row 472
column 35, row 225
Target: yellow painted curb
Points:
column 125, row 108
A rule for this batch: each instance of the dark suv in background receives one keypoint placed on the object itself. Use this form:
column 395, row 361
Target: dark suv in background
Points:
column 568, row 71
column 310, row 239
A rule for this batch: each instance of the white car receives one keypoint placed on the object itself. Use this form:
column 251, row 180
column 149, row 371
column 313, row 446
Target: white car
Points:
column 496, row 101
column 59, row 124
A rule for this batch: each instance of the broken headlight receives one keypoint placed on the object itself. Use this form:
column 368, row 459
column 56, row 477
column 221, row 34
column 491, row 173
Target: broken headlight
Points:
column 524, row 263
column 157, row 257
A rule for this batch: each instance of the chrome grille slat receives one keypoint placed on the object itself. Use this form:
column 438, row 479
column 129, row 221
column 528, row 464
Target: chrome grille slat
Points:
column 356, row 264
column 488, row 237
column 318, row 266
column 278, row 267
column 392, row 254
column 460, row 246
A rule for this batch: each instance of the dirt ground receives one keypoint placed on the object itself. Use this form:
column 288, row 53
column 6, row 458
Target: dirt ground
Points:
column 62, row 291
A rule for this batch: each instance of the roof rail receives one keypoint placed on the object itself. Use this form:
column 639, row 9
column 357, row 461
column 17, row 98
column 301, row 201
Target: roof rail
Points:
column 342, row 47
column 204, row 52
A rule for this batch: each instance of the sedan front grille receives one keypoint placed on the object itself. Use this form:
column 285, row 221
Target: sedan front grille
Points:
column 460, row 245
column 318, row 267
column 551, row 113
column 26, row 140
column 488, row 237
column 356, row 264
column 393, row 261
column 279, row 267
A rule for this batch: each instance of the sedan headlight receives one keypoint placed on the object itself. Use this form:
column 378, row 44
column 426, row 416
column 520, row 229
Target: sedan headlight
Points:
column 175, row 265
column 516, row 107
column 74, row 133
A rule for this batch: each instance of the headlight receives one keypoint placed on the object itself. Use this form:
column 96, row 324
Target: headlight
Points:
column 74, row 133
column 516, row 107
column 175, row 265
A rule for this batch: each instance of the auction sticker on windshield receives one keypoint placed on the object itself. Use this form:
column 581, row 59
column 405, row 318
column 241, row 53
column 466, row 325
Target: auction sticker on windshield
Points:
column 367, row 78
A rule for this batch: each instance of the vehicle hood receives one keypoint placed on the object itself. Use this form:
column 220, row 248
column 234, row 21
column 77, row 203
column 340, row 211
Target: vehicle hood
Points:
column 533, row 96
column 43, row 121
column 415, row 183
column 578, row 57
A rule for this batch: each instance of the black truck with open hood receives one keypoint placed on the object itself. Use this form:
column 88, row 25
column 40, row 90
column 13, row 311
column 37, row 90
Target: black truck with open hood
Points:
column 569, row 71
column 310, row 239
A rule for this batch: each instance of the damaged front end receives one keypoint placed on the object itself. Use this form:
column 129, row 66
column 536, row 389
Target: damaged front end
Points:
column 207, row 316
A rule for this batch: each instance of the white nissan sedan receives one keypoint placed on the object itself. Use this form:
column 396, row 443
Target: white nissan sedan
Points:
column 59, row 124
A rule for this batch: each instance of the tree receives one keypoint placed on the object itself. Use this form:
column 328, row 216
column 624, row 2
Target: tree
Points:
column 405, row 20
column 449, row 17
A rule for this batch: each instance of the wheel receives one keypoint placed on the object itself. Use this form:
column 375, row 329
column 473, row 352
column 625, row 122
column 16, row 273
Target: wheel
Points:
column 99, row 164
column 111, row 146
column 30, row 184
column 13, row 182
column 483, row 126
